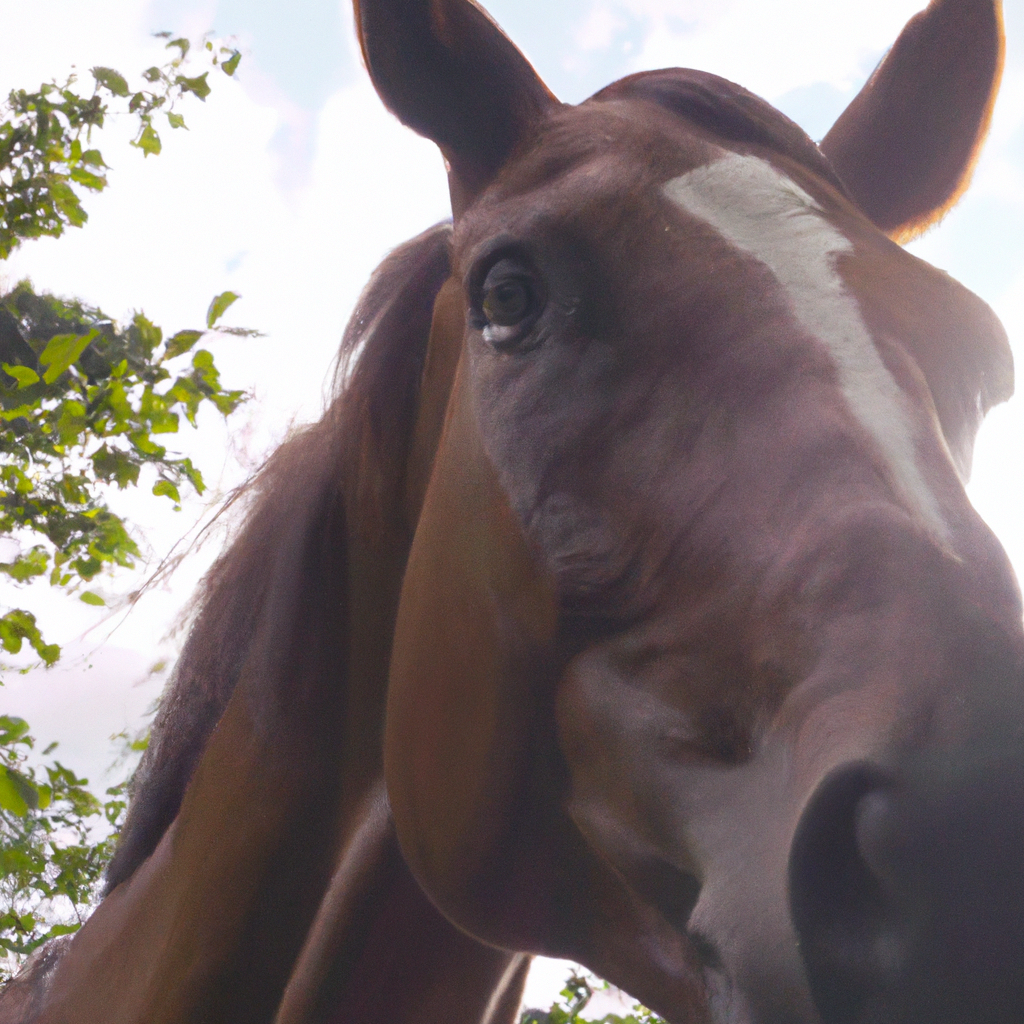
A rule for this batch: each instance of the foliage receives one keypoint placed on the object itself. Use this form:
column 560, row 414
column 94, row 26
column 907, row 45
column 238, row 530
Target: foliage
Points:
column 572, row 1001
column 81, row 408
column 50, row 860
column 46, row 154
column 82, row 398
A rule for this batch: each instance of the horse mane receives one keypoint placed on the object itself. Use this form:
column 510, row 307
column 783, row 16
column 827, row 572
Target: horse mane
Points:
column 726, row 109
column 353, row 457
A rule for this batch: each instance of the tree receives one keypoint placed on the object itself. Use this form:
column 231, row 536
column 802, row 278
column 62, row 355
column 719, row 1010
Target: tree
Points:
column 83, row 400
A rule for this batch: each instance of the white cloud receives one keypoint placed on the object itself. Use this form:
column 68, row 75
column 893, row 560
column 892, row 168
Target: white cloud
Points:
column 771, row 48
column 599, row 28
column 91, row 696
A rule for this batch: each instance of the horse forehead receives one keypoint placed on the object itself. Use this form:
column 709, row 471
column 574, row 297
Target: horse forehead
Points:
column 584, row 164
column 768, row 217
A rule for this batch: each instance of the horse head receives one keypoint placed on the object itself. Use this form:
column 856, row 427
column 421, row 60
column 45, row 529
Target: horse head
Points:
column 706, row 673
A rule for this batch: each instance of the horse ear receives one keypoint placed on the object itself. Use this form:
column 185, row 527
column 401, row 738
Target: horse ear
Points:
column 448, row 72
column 907, row 144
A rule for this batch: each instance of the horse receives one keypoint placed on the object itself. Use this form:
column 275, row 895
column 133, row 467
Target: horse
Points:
column 625, row 605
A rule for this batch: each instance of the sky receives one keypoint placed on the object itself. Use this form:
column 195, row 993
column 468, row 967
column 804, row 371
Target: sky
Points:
column 292, row 182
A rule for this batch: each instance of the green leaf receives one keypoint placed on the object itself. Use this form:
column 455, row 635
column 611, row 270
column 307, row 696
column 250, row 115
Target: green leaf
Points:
column 17, row 794
column 163, row 422
column 18, row 412
column 24, row 375
column 90, row 597
column 115, row 466
column 24, row 567
column 228, row 401
column 166, row 487
column 203, row 362
column 198, row 85
column 87, row 567
column 219, row 306
column 72, row 423
column 65, row 200
column 141, row 441
column 112, row 399
column 112, row 80
column 193, row 474
column 181, row 343
column 149, row 335
column 231, row 64
column 242, row 332
column 153, row 410
column 182, row 44
column 148, row 141
column 96, row 182
column 11, row 798
column 61, row 351
column 14, row 730
column 176, row 120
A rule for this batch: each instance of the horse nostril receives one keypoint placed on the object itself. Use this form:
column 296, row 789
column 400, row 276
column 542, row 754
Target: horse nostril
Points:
column 840, row 861
column 908, row 899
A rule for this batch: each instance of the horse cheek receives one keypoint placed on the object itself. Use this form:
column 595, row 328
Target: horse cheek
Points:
column 477, row 617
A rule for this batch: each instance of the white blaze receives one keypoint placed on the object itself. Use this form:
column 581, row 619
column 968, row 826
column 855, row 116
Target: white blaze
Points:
column 768, row 216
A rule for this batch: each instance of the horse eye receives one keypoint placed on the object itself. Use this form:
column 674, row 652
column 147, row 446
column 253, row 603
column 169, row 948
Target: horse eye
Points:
column 509, row 301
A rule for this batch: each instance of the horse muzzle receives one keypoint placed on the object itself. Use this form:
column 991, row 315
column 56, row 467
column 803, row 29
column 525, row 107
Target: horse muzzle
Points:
column 907, row 891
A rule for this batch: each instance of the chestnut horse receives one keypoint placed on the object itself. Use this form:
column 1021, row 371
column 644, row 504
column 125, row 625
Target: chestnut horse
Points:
column 626, row 604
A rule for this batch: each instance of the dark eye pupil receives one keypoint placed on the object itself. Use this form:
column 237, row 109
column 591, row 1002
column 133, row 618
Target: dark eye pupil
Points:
column 507, row 302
